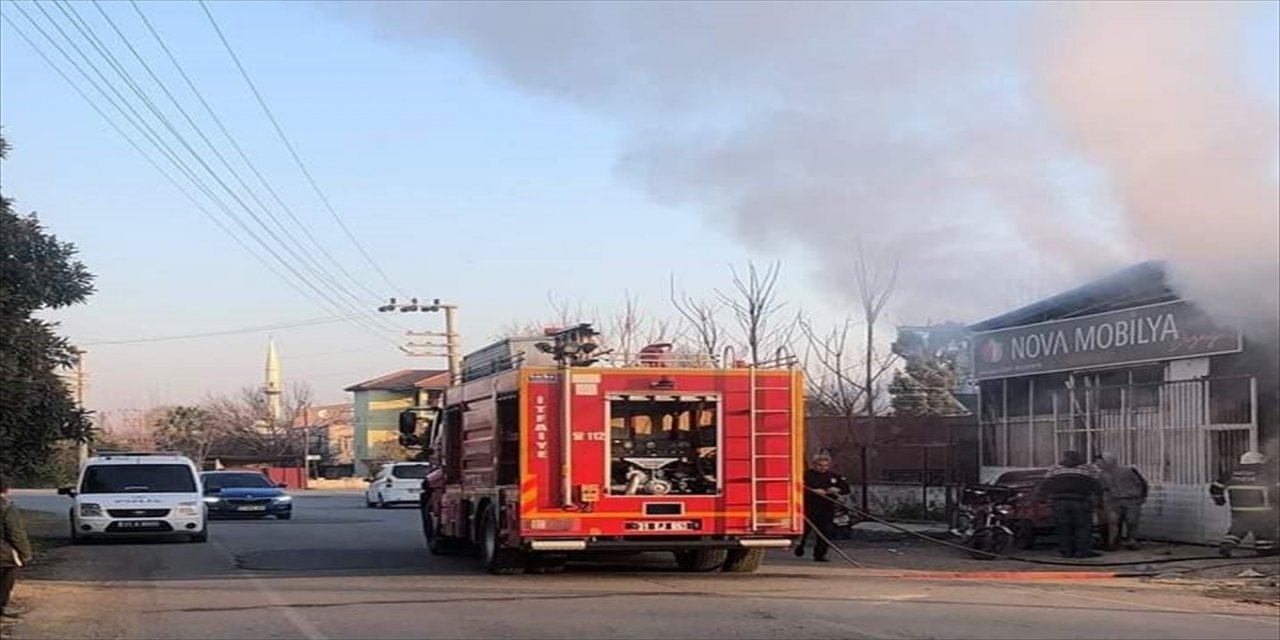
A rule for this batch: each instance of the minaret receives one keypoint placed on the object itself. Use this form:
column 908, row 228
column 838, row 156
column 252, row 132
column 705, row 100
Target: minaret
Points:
column 272, row 389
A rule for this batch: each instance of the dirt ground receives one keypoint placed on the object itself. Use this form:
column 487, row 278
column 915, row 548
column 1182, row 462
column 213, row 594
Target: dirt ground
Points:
column 1244, row 578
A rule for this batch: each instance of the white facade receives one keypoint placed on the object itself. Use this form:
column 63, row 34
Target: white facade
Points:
column 1177, row 424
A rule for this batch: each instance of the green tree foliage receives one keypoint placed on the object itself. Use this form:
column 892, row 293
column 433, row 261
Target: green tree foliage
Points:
column 923, row 388
column 37, row 272
column 926, row 384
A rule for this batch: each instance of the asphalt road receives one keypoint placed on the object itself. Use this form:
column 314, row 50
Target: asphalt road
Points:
column 339, row 570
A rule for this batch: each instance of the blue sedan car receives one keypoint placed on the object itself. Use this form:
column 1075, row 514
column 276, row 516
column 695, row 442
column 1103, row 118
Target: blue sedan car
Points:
column 244, row 494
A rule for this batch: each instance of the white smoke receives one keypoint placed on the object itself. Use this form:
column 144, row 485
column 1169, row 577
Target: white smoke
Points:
column 918, row 129
column 1154, row 92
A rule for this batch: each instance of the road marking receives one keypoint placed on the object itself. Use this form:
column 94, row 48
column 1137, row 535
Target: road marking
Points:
column 304, row 626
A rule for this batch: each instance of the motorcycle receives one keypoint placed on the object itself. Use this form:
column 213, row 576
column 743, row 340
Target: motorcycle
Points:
column 987, row 520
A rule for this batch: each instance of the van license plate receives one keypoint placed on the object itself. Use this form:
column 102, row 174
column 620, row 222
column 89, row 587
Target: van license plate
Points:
column 664, row 525
column 138, row 524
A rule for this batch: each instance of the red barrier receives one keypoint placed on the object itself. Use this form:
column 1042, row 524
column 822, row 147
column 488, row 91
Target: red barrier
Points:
column 293, row 477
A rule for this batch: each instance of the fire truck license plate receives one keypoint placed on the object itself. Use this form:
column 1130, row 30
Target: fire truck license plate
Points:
column 664, row 525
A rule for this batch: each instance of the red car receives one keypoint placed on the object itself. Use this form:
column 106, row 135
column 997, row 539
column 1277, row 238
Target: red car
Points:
column 1032, row 514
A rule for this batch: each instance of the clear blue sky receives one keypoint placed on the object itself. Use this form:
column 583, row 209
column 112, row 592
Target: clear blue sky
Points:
column 462, row 188
column 463, row 185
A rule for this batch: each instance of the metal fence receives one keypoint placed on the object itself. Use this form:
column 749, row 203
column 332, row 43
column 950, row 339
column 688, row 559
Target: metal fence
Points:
column 1180, row 432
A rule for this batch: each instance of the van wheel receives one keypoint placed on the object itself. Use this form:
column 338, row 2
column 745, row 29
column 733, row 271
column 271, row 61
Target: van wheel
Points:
column 497, row 560
column 744, row 560
column 701, row 560
column 75, row 535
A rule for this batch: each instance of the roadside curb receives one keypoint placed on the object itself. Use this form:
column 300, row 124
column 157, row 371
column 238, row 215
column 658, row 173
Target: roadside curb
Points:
column 1005, row 575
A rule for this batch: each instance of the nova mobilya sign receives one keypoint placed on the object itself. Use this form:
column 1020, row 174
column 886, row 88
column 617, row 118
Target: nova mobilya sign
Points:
column 1143, row 334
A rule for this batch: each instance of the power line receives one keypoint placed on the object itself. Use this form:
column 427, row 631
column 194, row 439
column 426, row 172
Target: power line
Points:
column 292, row 151
column 140, row 123
column 209, row 334
column 296, row 252
column 155, row 34
column 131, row 142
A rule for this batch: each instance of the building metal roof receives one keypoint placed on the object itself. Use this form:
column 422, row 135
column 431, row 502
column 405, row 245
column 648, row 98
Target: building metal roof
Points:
column 405, row 380
column 1140, row 284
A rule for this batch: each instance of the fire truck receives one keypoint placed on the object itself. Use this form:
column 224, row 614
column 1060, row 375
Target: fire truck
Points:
column 547, row 449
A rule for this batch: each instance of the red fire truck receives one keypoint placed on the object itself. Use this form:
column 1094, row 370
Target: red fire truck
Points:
column 545, row 449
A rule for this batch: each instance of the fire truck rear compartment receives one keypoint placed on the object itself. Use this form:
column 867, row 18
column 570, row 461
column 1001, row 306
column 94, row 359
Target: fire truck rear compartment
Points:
column 663, row 445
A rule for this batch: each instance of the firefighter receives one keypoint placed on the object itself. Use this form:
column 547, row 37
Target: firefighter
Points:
column 1124, row 492
column 823, row 490
column 1073, row 490
column 1252, row 489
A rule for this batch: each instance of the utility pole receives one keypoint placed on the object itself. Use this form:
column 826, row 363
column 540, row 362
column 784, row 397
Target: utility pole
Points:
column 82, row 447
column 306, row 446
column 452, row 346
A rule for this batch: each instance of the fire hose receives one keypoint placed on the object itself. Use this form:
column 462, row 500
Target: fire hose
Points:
column 997, row 556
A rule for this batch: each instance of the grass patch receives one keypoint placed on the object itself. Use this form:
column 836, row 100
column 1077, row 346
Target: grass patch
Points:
column 47, row 531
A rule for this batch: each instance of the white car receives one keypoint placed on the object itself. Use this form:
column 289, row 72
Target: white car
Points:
column 138, row 494
column 396, row 483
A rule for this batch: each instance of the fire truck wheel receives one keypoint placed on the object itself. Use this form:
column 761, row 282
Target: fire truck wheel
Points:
column 744, row 560
column 437, row 544
column 701, row 560
column 497, row 560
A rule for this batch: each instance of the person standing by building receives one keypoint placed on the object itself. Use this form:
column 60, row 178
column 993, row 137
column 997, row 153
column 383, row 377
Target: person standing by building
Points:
column 1252, row 488
column 1073, row 491
column 823, row 490
column 15, row 549
column 1124, row 492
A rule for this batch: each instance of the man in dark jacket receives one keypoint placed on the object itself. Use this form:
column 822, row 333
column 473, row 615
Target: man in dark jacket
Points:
column 823, row 489
column 15, row 548
column 1073, row 490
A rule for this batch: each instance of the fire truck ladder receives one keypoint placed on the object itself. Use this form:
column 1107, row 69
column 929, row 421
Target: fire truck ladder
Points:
column 760, row 502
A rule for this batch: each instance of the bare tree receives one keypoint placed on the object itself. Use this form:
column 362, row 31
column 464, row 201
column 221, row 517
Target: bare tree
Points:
column 189, row 430
column 250, row 431
column 832, row 371
column 702, row 319
column 843, row 383
column 875, row 288
column 563, row 313
column 625, row 327
column 755, row 306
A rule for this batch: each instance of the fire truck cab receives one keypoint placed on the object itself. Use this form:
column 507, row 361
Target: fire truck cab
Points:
column 549, row 448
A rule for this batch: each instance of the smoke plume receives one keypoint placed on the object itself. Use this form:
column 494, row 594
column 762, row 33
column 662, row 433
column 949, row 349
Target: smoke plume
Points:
column 1153, row 92
column 975, row 143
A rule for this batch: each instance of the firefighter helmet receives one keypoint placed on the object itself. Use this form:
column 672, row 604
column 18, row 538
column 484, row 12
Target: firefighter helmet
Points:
column 1252, row 457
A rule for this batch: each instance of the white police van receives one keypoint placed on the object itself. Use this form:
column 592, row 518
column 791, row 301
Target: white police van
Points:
column 138, row 494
